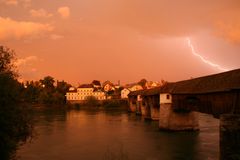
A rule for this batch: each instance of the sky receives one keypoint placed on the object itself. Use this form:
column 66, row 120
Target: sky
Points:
column 127, row 40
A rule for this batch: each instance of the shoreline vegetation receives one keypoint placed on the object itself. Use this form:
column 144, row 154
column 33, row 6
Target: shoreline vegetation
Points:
column 105, row 104
column 18, row 100
column 15, row 117
column 111, row 103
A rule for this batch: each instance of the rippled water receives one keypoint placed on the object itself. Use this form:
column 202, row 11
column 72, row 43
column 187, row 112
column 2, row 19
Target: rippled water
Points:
column 90, row 134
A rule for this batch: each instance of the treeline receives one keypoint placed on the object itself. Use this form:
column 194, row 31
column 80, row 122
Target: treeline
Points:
column 45, row 91
column 16, row 101
column 15, row 118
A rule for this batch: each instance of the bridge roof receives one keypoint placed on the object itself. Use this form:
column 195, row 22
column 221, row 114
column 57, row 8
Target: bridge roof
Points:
column 221, row 82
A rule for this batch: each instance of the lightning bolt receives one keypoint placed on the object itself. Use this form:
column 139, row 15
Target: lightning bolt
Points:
column 202, row 58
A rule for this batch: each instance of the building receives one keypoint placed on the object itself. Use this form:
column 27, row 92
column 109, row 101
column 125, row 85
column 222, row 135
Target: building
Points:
column 130, row 88
column 124, row 93
column 151, row 84
column 133, row 87
column 96, row 84
column 108, row 86
column 84, row 91
column 176, row 104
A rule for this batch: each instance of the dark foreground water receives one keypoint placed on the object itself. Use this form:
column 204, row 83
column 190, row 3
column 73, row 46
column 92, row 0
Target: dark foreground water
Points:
column 115, row 134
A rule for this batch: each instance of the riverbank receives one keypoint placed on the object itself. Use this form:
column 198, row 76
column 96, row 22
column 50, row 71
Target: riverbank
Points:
column 111, row 103
column 105, row 104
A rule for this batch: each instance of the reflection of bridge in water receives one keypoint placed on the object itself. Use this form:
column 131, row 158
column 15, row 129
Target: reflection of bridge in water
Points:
column 176, row 105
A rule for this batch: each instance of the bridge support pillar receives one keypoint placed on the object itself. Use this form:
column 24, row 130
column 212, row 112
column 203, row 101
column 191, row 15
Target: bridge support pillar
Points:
column 177, row 121
column 230, row 136
column 143, row 109
column 154, row 110
column 139, row 104
column 138, row 107
column 132, row 105
column 147, row 109
column 154, row 113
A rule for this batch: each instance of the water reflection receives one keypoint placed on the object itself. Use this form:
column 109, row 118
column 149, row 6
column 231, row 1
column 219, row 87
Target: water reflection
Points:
column 107, row 134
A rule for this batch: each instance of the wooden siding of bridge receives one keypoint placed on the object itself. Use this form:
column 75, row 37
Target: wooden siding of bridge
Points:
column 210, row 103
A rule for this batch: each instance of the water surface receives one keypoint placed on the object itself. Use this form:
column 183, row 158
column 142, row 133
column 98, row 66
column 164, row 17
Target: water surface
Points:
column 92, row 134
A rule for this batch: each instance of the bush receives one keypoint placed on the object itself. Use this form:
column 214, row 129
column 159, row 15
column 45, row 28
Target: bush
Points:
column 91, row 101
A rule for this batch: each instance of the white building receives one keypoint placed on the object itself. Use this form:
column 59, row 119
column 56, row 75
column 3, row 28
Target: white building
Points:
column 130, row 88
column 124, row 93
column 84, row 91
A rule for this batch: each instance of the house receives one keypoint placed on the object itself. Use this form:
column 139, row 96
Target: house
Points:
column 151, row 84
column 108, row 86
column 84, row 91
column 124, row 93
column 130, row 88
column 96, row 84
column 133, row 87
column 71, row 95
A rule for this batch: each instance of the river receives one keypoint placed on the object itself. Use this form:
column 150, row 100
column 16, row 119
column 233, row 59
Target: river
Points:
column 100, row 134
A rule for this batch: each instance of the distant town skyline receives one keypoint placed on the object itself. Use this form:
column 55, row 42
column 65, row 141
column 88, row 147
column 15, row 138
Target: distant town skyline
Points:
column 80, row 41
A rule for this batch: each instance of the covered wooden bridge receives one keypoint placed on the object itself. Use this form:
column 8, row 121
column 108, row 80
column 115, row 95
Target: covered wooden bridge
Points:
column 176, row 106
column 214, row 94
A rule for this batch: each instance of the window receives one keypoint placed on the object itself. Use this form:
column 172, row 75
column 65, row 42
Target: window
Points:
column 168, row 96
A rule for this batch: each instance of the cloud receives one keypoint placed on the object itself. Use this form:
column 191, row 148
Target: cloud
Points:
column 25, row 3
column 11, row 2
column 168, row 17
column 228, row 26
column 229, row 31
column 25, row 61
column 27, row 67
column 11, row 29
column 56, row 36
column 64, row 12
column 42, row 13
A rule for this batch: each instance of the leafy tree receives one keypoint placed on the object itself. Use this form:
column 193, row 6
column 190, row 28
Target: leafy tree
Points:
column 142, row 82
column 32, row 91
column 62, row 87
column 6, row 62
column 15, row 122
column 47, row 82
column 91, row 101
column 163, row 82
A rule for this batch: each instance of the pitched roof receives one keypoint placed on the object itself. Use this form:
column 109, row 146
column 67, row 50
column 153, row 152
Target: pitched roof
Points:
column 225, row 81
column 86, row 86
column 131, row 85
column 96, row 82
column 107, row 82
column 221, row 82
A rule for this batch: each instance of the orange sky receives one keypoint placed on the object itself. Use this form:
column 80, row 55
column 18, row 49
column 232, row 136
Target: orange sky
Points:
column 81, row 40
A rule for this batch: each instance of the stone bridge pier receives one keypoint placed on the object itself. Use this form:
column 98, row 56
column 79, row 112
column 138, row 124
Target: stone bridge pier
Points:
column 154, row 107
column 170, row 119
column 132, row 104
column 143, row 106
column 147, row 109
column 139, row 104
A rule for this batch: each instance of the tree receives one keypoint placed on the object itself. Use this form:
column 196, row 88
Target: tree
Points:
column 91, row 101
column 142, row 82
column 31, row 91
column 48, row 82
column 163, row 82
column 62, row 87
column 6, row 61
column 15, row 122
